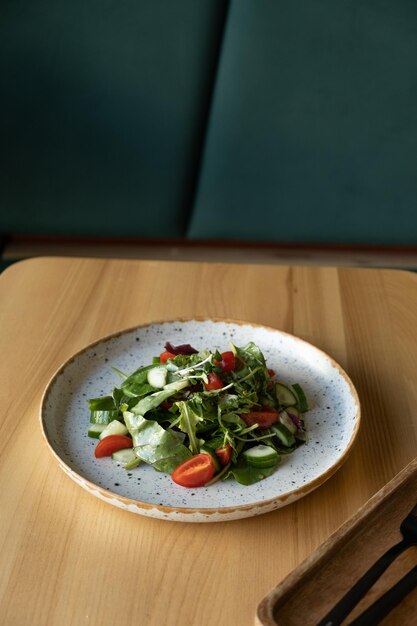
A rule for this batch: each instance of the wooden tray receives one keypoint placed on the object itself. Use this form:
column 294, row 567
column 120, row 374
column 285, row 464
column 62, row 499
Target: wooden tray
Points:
column 313, row 588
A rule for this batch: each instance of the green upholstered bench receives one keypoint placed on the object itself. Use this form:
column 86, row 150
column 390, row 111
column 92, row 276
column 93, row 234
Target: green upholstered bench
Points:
column 284, row 121
column 103, row 112
column 313, row 129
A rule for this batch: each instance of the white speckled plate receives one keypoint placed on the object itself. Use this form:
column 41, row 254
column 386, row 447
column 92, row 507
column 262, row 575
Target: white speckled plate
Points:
column 332, row 423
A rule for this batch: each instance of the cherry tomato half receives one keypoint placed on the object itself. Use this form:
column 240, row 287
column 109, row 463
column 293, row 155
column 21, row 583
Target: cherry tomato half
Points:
column 228, row 362
column 214, row 382
column 194, row 472
column 111, row 444
column 224, row 454
column 164, row 356
column 264, row 418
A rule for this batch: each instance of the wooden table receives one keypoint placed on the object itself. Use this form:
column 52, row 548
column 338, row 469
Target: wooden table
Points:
column 69, row 559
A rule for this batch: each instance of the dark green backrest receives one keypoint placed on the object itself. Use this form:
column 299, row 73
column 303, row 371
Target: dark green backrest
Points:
column 313, row 128
column 295, row 123
column 102, row 113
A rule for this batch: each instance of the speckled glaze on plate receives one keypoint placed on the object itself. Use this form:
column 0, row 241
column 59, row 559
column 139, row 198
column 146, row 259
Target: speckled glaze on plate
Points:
column 332, row 422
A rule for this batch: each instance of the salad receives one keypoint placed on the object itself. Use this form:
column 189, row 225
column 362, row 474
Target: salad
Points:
column 201, row 416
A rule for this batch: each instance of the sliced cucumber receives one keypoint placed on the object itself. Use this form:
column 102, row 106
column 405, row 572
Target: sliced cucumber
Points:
column 302, row 403
column 294, row 415
column 157, row 376
column 294, row 411
column 285, row 419
column 207, row 450
column 261, row 456
column 284, row 395
column 95, row 430
column 103, row 417
column 114, row 428
column 126, row 457
column 284, row 435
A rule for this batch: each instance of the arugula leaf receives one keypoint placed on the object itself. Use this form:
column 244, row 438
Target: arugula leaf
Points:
column 254, row 373
column 154, row 445
column 238, row 403
column 191, row 414
column 184, row 360
column 251, row 355
column 122, row 375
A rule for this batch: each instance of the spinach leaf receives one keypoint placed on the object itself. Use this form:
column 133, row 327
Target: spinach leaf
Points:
column 136, row 385
column 247, row 474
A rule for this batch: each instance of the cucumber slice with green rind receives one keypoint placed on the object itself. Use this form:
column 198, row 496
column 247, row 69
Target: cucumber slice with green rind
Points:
column 302, row 403
column 114, row 428
column 261, row 456
column 157, row 376
column 285, row 436
column 294, row 411
column 284, row 395
column 103, row 417
column 285, row 419
column 133, row 463
column 295, row 416
column 95, row 430
column 126, row 457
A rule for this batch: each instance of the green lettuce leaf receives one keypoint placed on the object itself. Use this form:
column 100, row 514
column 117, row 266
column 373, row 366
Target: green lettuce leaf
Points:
column 154, row 445
column 152, row 401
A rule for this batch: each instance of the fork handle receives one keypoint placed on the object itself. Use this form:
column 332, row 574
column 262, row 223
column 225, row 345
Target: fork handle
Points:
column 338, row 613
column 380, row 609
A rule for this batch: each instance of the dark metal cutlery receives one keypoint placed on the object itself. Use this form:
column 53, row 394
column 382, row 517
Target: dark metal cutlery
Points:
column 380, row 609
column 391, row 598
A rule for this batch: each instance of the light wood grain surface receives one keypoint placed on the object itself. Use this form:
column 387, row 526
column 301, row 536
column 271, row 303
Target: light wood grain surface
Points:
column 345, row 557
column 67, row 558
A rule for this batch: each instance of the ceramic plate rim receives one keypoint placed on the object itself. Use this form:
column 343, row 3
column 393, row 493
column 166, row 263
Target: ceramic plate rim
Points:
column 289, row 496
